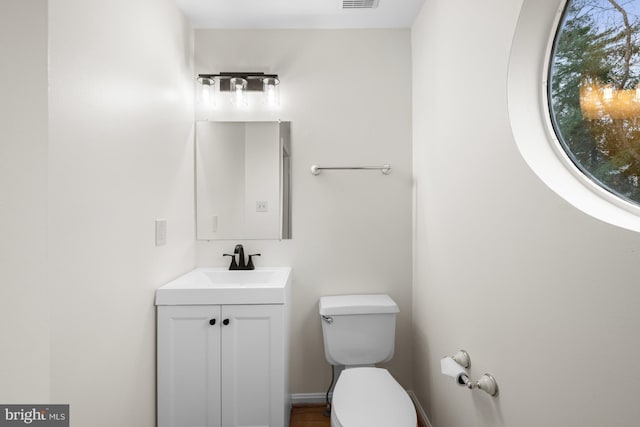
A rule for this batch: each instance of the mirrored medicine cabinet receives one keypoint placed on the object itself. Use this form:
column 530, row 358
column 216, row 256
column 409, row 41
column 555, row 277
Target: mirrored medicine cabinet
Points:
column 243, row 180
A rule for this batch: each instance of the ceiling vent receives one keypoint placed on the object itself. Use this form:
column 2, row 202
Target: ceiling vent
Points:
column 359, row 4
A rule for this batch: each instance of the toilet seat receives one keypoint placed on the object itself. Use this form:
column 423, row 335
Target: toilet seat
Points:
column 370, row 397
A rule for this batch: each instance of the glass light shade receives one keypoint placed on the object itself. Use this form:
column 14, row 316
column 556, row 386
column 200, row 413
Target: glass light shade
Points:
column 207, row 93
column 271, row 91
column 238, row 89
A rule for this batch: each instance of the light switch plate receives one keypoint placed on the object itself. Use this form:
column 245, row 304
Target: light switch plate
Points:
column 262, row 206
column 161, row 232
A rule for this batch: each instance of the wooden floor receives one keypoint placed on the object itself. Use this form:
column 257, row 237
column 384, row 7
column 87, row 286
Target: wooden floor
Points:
column 312, row 416
column 308, row 416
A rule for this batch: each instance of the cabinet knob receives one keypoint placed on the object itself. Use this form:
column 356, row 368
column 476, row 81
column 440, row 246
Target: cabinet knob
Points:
column 212, row 322
column 225, row 322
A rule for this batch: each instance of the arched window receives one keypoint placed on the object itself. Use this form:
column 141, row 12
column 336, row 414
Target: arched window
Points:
column 593, row 92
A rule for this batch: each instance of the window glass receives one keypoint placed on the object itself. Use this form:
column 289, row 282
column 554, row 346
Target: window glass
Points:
column 594, row 91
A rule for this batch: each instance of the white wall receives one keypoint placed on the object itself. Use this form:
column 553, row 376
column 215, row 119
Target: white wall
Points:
column 120, row 156
column 24, row 304
column 541, row 295
column 348, row 97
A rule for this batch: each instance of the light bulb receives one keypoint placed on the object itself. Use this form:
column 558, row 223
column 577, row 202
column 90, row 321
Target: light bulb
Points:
column 238, row 86
column 239, row 93
column 206, row 93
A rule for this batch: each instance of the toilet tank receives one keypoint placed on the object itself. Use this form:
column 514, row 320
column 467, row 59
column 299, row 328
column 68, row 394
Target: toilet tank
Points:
column 358, row 329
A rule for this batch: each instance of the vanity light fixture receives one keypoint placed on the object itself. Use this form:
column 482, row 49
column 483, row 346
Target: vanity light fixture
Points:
column 238, row 85
column 604, row 101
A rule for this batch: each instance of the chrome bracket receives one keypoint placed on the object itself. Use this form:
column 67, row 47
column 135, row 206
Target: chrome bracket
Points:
column 488, row 384
column 462, row 358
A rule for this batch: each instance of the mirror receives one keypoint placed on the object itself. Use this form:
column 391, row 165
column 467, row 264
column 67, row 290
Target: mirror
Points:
column 243, row 180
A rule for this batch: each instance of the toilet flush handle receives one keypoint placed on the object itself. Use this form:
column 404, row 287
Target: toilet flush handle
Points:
column 327, row 319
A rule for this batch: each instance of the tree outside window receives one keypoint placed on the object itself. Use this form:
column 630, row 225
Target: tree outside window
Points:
column 594, row 91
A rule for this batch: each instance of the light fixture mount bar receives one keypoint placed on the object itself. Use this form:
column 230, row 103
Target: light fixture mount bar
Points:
column 254, row 79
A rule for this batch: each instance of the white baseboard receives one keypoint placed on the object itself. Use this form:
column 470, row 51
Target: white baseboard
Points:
column 319, row 398
column 419, row 409
column 309, row 398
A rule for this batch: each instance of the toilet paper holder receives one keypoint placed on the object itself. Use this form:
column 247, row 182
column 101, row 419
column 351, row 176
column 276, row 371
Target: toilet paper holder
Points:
column 486, row 382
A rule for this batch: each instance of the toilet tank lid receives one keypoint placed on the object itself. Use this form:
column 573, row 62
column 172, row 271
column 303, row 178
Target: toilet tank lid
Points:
column 357, row 304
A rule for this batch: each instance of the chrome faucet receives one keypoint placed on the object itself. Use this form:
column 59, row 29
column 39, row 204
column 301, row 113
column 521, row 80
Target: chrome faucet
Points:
column 241, row 264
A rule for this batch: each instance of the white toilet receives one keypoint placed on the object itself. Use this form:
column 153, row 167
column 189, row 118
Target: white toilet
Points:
column 359, row 331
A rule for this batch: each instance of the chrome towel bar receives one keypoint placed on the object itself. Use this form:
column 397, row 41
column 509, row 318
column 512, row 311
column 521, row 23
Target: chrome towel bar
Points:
column 386, row 169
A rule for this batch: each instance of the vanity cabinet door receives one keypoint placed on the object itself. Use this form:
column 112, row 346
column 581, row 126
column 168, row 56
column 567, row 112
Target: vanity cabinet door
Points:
column 189, row 366
column 253, row 366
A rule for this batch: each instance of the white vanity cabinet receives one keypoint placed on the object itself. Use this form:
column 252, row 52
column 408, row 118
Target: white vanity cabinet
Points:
column 222, row 365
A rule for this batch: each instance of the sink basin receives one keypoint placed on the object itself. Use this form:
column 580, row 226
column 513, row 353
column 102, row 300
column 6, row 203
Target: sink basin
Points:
column 205, row 286
column 261, row 278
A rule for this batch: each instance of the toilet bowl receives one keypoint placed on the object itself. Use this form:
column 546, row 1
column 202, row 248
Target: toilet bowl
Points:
column 370, row 397
column 358, row 332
